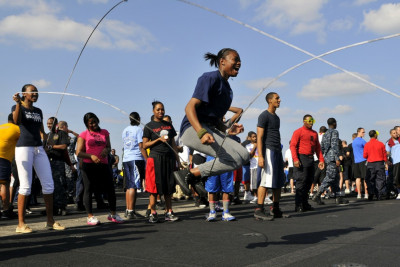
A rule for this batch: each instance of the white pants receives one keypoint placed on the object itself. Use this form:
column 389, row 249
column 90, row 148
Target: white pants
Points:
column 27, row 157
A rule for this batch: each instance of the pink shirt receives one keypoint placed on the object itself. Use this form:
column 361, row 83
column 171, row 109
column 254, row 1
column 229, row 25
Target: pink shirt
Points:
column 95, row 142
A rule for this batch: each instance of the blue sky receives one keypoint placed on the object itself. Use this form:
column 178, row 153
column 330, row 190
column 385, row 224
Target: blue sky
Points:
column 153, row 49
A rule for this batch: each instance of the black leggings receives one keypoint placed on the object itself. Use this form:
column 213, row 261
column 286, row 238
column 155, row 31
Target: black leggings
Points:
column 97, row 178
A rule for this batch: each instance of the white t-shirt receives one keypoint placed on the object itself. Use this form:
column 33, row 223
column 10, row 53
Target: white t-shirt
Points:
column 254, row 159
column 288, row 157
column 320, row 135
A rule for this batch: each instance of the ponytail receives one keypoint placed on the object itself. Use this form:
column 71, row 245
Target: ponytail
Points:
column 214, row 59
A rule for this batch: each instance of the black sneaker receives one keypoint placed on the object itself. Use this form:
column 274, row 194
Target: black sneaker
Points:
column 236, row 201
column 184, row 178
column 8, row 214
column 317, row 199
column 153, row 218
column 277, row 213
column 259, row 214
column 63, row 212
column 130, row 215
column 148, row 212
column 200, row 189
column 341, row 201
column 307, row 207
column 171, row 217
column 299, row 209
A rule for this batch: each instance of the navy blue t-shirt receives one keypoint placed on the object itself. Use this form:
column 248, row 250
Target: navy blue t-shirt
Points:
column 216, row 96
column 30, row 125
column 271, row 124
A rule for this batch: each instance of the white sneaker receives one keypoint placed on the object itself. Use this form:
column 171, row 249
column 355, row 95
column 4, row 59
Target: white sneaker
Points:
column 254, row 201
column 366, row 196
column 398, row 196
column 347, row 191
column 268, row 200
column 212, row 216
column 248, row 196
column 359, row 196
column 226, row 216
column 93, row 221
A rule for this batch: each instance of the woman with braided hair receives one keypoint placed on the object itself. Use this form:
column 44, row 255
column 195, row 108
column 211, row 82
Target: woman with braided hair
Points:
column 203, row 128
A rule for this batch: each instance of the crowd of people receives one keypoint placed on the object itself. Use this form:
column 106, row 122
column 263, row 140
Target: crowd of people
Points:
column 204, row 160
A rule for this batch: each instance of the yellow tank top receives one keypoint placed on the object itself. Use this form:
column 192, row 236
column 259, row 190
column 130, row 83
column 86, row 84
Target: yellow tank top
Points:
column 9, row 135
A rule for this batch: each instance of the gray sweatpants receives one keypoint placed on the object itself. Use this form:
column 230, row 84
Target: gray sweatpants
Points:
column 230, row 156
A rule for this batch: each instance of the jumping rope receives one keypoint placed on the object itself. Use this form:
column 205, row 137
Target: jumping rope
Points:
column 296, row 66
column 107, row 104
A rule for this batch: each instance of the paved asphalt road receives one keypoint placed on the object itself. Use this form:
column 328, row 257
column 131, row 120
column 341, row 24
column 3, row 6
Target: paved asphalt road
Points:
column 360, row 234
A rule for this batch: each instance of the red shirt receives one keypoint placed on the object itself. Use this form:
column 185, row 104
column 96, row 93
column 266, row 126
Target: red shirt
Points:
column 374, row 151
column 305, row 141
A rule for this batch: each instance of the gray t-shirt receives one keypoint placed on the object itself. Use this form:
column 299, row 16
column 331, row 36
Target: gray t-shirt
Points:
column 271, row 124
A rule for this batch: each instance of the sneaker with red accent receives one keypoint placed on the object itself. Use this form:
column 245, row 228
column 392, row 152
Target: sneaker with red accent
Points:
column 115, row 218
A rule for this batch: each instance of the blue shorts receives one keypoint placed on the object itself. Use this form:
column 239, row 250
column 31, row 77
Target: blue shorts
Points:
column 219, row 183
column 5, row 171
column 246, row 174
column 134, row 172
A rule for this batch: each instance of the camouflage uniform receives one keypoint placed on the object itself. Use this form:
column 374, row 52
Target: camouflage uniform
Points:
column 57, row 163
column 330, row 150
column 60, row 184
column 70, row 175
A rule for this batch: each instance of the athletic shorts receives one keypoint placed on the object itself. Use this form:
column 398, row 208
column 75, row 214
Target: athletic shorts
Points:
column 346, row 172
column 255, row 178
column 360, row 170
column 220, row 183
column 159, row 178
column 5, row 171
column 273, row 175
column 134, row 172
column 237, row 175
column 290, row 173
column 246, row 174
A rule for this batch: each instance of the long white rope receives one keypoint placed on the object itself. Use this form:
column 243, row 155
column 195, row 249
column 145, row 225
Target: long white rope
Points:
column 107, row 104
column 80, row 54
column 298, row 65
column 301, row 50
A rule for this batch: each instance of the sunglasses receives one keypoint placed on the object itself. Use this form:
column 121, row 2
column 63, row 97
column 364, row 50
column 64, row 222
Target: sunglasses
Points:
column 310, row 121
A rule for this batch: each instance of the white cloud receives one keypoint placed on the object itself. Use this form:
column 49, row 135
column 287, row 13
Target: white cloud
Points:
column 385, row 20
column 46, row 30
column 300, row 16
column 33, row 6
column 339, row 109
column 363, row 2
column 335, row 85
column 388, row 123
column 343, row 24
column 42, row 83
column 261, row 83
